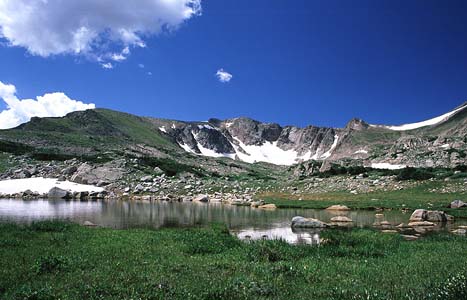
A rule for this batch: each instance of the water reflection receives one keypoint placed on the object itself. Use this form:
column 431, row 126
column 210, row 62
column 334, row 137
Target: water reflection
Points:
column 245, row 222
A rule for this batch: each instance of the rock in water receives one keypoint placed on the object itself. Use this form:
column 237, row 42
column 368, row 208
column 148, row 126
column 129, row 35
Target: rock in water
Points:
column 341, row 219
column 457, row 204
column 338, row 207
column 201, row 198
column 268, row 206
column 421, row 223
column 420, row 215
column 257, row 203
column 301, row 222
column 58, row 193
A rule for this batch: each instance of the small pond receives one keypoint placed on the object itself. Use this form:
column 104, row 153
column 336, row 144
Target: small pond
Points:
column 244, row 222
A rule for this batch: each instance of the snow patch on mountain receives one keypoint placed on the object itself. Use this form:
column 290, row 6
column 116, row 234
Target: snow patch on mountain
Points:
column 211, row 153
column 186, row 148
column 387, row 166
column 329, row 152
column 206, row 126
column 268, row 152
column 429, row 122
column 43, row 185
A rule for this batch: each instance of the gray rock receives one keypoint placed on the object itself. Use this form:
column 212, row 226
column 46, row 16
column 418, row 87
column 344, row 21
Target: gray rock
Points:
column 87, row 174
column 301, row 222
column 146, row 178
column 158, row 171
column 341, row 219
column 28, row 193
column 457, row 204
column 139, row 188
column 201, row 198
column 58, row 193
column 421, row 215
column 69, row 170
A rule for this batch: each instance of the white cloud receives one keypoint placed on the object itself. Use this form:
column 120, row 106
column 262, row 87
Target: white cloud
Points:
column 223, row 76
column 107, row 65
column 49, row 105
column 93, row 28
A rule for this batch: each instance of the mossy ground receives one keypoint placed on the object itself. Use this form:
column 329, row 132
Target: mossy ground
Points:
column 65, row 261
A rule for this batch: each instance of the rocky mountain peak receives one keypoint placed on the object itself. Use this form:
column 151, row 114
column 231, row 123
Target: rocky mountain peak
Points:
column 357, row 124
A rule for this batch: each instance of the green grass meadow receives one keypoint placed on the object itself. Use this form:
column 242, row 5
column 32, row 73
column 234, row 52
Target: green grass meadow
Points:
column 54, row 260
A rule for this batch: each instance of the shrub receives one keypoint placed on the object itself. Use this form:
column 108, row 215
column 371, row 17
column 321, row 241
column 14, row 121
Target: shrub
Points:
column 50, row 226
column 454, row 288
column 215, row 240
column 363, row 243
column 27, row 292
column 415, row 174
column 49, row 264
column 169, row 166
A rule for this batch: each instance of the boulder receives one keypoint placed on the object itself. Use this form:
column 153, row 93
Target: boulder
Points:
column 457, row 204
column 421, row 223
column 139, row 188
column 201, row 198
column 146, row 178
column 341, row 219
column 239, row 202
column 420, row 215
column 338, row 207
column 158, row 171
column 58, row 193
column 28, row 193
column 460, row 231
column 88, row 174
column 257, row 203
column 69, row 170
column 409, row 237
column 301, row 222
column 268, row 206
column 89, row 224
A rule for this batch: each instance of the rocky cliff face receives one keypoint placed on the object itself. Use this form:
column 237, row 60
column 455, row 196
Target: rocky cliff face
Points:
column 252, row 141
column 436, row 142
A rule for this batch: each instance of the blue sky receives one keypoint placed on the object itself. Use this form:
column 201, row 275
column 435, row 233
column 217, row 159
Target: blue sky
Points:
column 296, row 62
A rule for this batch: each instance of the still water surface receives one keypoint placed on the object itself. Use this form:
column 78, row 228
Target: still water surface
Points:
column 245, row 222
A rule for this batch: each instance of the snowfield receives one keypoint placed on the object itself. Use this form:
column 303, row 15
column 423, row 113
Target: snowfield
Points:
column 361, row 151
column 269, row 152
column 43, row 185
column 387, row 166
column 329, row 152
column 429, row 122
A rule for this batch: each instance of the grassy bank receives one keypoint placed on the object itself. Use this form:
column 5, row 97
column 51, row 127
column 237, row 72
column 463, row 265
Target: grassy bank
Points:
column 64, row 261
column 410, row 198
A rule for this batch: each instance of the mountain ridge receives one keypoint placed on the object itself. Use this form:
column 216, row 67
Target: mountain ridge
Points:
column 248, row 140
